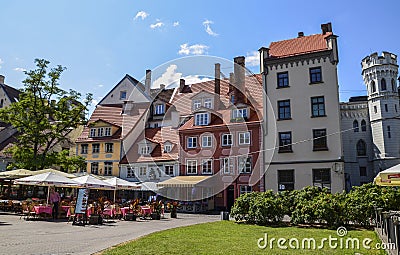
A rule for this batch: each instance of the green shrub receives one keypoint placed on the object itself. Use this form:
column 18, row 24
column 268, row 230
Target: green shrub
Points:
column 265, row 208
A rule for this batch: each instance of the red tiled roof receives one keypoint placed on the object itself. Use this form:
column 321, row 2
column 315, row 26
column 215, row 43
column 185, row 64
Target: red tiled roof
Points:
column 158, row 136
column 298, row 46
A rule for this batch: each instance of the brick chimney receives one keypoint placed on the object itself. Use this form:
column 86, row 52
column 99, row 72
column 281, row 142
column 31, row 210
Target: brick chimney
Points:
column 2, row 77
column 181, row 85
column 217, row 79
column 300, row 34
column 147, row 83
column 162, row 86
column 239, row 71
column 326, row 28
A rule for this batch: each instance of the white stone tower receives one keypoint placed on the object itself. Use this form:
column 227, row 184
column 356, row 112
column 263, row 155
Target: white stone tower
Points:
column 380, row 76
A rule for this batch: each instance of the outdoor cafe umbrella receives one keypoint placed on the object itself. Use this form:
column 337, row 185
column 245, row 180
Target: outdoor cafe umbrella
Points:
column 18, row 173
column 121, row 184
column 91, row 182
column 389, row 177
column 54, row 171
column 47, row 179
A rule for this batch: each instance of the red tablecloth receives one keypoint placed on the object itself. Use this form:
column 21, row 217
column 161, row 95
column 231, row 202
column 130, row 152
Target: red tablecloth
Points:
column 109, row 211
column 125, row 210
column 146, row 210
column 43, row 209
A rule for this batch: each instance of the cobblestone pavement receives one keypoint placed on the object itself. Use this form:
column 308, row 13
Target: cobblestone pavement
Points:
column 18, row 236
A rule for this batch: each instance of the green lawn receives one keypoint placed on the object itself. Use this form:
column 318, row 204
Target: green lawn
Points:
column 226, row 237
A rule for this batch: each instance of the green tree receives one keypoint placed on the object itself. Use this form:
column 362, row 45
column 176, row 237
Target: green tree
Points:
column 44, row 116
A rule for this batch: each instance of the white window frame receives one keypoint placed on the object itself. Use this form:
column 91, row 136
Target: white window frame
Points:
column 190, row 142
column 145, row 150
column 93, row 132
column 84, row 148
column 107, row 131
column 108, row 168
column 142, row 170
column 167, row 148
column 94, row 168
column 243, row 189
column 169, row 166
column 196, row 104
column 159, row 109
column 107, row 147
column 209, row 171
column 223, row 139
column 208, row 103
column 100, row 132
column 242, row 165
column 130, row 172
column 240, row 113
column 122, row 93
column 191, row 163
column 244, row 138
column 97, row 151
column 228, row 165
column 206, row 141
column 202, row 119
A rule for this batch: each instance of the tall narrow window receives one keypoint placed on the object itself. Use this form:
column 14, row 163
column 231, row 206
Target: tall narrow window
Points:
column 206, row 141
column 375, row 109
column 227, row 165
column 1, row 103
column 92, row 132
column 206, row 166
column 373, row 87
column 191, row 166
column 159, row 109
column 361, row 148
column 285, row 142
column 84, row 148
column 109, row 147
column 95, row 148
column 284, row 110
column 320, row 140
column 363, row 126
column 100, row 132
column 315, row 75
column 318, row 106
column 244, row 164
column 283, row 79
column 393, row 85
column 285, row 180
column 363, row 171
column 108, row 168
column 322, row 178
column 244, row 138
column 386, row 108
column 196, row 104
column 208, row 103
column 355, row 126
column 94, row 168
column 227, row 139
column 192, row 142
column 388, row 132
column 107, row 131
column 383, row 84
column 122, row 95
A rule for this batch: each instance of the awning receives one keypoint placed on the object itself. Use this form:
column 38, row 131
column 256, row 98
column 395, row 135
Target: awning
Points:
column 389, row 177
column 182, row 181
column 148, row 186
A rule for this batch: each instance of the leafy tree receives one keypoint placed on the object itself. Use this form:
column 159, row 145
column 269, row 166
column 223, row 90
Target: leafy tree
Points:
column 44, row 116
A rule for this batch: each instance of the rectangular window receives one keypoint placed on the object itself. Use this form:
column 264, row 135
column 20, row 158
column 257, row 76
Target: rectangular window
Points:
column 196, row 104
column 315, row 75
column 363, row 171
column 285, row 180
column 228, row 165
column 122, row 95
column 192, row 142
column 283, row 79
column 143, row 171
column 208, row 103
column 94, row 168
column 108, row 168
column 320, row 140
column 284, row 110
column 84, row 148
column 130, row 172
column 227, row 139
column 322, row 178
column 244, row 164
column 239, row 113
column 245, row 189
column 159, row 109
column 145, row 150
column 191, row 166
column 388, row 132
column 244, row 138
column 100, row 132
column 169, row 170
column 386, row 108
column 206, row 166
column 109, row 147
column 285, row 142
column 206, row 141
column 96, row 148
column 107, row 131
column 92, row 132
column 318, row 106
column 167, row 148
column 375, row 109
column 201, row 119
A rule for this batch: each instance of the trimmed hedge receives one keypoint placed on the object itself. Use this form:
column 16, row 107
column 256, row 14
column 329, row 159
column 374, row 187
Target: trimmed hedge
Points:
column 312, row 205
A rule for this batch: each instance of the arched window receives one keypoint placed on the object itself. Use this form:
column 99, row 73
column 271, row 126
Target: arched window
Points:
column 373, row 87
column 393, row 85
column 361, row 148
column 363, row 126
column 355, row 126
column 383, row 84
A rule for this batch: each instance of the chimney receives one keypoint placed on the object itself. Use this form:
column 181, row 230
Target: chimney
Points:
column 326, row 28
column 2, row 79
column 239, row 72
column 300, row 34
column 147, row 83
column 181, row 85
column 162, row 86
column 264, row 53
column 217, row 81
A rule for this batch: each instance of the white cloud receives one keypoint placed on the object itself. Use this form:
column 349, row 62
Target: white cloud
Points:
column 19, row 69
column 100, row 85
column 195, row 49
column 170, row 76
column 253, row 58
column 94, row 102
column 207, row 25
column 191, row 79
column 176, row 23
column 141, row 14
column 156, row 25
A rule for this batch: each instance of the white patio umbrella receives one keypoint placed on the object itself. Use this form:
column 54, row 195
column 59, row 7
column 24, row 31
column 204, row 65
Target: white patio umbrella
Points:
column 47, row 179
column 121, row 184
column 91, row 182
column 53, row 171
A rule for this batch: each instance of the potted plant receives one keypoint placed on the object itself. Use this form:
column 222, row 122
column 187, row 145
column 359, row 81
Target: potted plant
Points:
column 156, row 207
column 173, row 207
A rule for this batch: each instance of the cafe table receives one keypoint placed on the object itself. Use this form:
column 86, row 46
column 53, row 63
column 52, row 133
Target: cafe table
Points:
column 39, row 209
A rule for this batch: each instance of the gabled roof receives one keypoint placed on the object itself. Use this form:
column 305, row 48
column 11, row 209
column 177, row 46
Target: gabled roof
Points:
column 127, row 76
column 298, row 46
column 162, row 94
column 12, row 93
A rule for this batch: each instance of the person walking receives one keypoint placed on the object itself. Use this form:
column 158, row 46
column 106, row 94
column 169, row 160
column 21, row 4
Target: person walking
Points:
column 55, row 200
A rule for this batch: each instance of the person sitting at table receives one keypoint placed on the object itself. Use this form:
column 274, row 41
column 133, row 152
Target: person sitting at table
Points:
column 55, row 200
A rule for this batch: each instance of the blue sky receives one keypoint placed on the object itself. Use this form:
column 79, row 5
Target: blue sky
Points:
column 101, row 41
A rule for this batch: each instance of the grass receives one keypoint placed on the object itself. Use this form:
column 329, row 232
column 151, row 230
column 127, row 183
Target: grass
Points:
column 226, row 237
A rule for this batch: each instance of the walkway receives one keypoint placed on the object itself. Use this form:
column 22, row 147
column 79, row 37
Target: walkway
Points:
column 47, row 237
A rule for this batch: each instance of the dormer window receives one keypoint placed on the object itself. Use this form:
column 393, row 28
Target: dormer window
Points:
column 159, row 109
column 208, row 103
column 107, row 131
column 167, row 148
column 196, row 104
column 239, row 113
column 145, row 150
column 202, row 119
column 100, row 132
column 92, row 132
